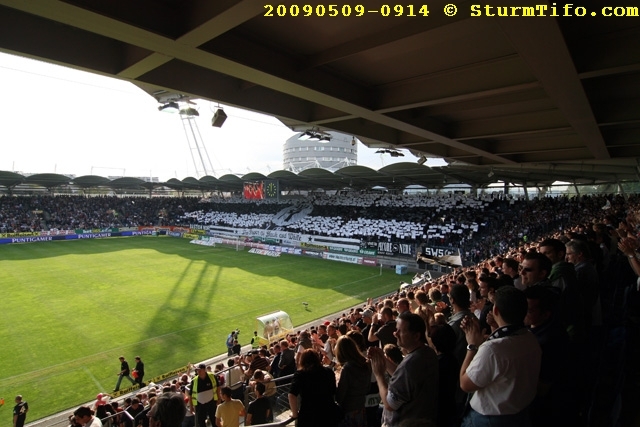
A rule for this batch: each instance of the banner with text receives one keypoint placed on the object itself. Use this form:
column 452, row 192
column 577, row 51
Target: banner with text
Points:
column 395, row 249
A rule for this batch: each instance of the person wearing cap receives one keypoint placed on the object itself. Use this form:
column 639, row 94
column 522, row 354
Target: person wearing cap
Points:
column 124, row 372
column 102, row 408
column 20, row 412
column 205, row 395
column 101, row 399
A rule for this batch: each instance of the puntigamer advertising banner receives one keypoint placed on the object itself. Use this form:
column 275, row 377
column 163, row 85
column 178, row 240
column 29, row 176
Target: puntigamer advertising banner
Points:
column 45, row 236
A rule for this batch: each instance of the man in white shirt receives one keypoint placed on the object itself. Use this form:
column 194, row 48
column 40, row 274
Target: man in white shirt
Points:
column 502, row 371
column 234, row 378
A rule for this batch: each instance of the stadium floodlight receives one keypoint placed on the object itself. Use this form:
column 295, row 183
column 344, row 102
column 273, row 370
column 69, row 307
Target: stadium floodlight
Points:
column 314, row 134
column 190, row 111
column 490, row 174
column 353, row 140
column 169, row 107
column 422, row 160
column 391, row 151
column 306, row 135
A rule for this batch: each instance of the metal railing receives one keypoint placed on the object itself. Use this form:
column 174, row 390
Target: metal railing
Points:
column 279, row 401
column 105, row 421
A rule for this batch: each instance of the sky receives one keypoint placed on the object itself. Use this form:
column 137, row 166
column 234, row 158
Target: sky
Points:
column 60, row 120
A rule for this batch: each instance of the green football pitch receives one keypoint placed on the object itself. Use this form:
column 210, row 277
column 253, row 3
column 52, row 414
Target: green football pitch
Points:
column 69, row 309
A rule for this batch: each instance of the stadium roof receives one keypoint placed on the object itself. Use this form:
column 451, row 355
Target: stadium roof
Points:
column 395, row 176
column 531, row 98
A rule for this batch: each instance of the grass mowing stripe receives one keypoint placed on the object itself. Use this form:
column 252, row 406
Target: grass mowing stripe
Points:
column 71, row 308
column 236, row 316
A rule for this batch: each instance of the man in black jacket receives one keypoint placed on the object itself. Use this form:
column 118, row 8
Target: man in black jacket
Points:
column 139, row 371
column 124, row 372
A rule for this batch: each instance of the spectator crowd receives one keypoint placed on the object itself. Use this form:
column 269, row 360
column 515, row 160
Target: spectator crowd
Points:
column 481, row 227
column 518, row 338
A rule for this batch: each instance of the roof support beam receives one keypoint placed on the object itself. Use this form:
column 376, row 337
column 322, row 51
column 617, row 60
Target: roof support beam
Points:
column 107, row 27
column 439, row 101
column 542, row 46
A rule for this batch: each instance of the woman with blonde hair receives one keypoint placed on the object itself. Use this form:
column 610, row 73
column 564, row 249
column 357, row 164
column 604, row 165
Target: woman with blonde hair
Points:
column 354, row 382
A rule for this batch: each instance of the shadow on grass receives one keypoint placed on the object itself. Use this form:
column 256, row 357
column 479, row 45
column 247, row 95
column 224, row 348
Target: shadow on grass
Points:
column 218, row 256
column 215, row 291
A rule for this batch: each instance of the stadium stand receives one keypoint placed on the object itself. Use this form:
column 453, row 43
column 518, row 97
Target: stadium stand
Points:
column 503, row 227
